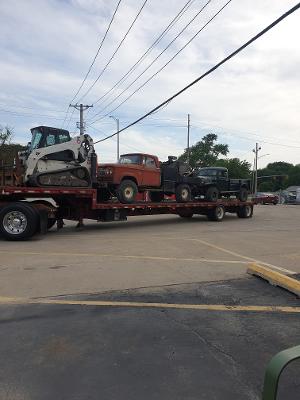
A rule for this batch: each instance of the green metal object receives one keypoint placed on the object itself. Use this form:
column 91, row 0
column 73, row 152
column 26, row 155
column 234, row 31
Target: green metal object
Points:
column 274, row 369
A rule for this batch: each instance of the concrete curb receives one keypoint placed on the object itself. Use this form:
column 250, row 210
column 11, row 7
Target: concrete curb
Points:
column 275, row 278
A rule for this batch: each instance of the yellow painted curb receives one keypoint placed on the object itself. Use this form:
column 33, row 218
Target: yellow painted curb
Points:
column 275, row 278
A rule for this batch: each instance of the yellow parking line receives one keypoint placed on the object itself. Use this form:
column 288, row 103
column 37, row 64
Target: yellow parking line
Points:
column 132, row 304
column 66, row 254
column 233, row 253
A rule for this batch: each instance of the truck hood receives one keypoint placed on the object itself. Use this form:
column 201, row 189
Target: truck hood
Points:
column 115, row 165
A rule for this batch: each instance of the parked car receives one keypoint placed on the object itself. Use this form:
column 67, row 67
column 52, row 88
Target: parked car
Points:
column 291, row 195
column 267, row 198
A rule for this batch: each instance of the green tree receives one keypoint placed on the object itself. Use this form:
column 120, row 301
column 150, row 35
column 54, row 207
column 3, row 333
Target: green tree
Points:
column 286, row 176
column 236, row 168
column 8, row 150
column 5, row 135
column 294, row 176
column 267, row 186
column 206, row 152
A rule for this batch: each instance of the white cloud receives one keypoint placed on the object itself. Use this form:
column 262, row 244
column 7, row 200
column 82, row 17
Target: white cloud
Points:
column 47, row 46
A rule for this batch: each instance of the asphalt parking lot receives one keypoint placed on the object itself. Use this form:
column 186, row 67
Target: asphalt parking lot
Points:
column 209, row 336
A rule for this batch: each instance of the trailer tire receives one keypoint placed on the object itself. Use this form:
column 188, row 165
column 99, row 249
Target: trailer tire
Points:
column 243, row 194
column 18, row 221
column 127, row 191
column 216, row 214
column 183, row 193
column 156, row 197
column 245, row 211
column 212, row 194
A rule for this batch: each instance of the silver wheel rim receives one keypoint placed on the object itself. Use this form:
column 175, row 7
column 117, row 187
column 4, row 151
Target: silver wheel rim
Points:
column 185, row 194
column 248, row 210
column 128, row 192
column 220, row 212
column 15, row 222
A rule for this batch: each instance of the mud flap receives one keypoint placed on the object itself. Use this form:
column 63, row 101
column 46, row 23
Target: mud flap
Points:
column 43, row 214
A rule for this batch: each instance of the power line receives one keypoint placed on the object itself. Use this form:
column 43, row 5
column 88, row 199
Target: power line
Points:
column 215, row 67
column 71, row 116
column 164, row 66
column 264, row 141
column 146, row 53
column 123, row 144
column 93, row 62
column 157, row 57
column 210, row 127
column 29, row 114
column 30, row 108
column 97, row 53
column 115, row 52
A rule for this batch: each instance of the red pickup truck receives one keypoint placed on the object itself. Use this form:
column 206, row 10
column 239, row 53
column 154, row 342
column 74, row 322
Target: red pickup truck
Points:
column 132, row 174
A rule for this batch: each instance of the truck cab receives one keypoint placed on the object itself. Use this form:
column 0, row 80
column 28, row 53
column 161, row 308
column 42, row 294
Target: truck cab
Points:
column 214, row 182
column 215, row 175
column 133, row 173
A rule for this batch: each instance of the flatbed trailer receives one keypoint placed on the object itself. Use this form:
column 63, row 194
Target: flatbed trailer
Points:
column 25, row 211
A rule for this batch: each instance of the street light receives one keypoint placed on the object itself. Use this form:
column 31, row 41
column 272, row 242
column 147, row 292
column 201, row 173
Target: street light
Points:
column 255, row 151
column 264, row 155
column 118, row 139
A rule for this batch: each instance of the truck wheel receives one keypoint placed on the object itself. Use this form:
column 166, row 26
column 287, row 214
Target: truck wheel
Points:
column 183, row 193
column 216, row 214
column 212, row 194
column 185, row 213
column 156, row 197
column 127, row 191
column 243, row 194
column 245, row 211
column 18, row 221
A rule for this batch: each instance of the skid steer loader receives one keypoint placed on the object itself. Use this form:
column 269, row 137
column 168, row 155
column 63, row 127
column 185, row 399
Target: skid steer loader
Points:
column 53, row 158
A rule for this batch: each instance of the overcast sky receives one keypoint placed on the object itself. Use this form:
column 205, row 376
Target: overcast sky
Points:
column 47, row 47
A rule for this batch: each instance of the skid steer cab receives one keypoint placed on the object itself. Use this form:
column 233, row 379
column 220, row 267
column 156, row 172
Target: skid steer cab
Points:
column 53, row 158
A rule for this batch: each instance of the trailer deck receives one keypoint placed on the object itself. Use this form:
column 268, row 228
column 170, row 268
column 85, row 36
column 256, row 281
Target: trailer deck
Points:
column 78, row 204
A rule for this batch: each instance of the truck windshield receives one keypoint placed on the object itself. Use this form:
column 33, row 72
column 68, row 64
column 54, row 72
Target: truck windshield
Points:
column 207, row 172
column 130, row 159
column 36, row 139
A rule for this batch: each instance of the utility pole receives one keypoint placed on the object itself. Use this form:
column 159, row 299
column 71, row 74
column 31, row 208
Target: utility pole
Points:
column 118, row 136
column 256, row 150
column 188, row 139
column 80, row 108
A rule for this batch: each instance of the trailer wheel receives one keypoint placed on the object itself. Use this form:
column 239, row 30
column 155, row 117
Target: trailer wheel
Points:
column 183, row 193
column 127, row 191
column 156, row 197
column 245, row 211
column 18, row 221
column 216, row 213
column 243, row 194
column 212, row 194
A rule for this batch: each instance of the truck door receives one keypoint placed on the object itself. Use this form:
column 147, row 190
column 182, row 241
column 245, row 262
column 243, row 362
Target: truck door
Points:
column 223, row 182
column 152, row 174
